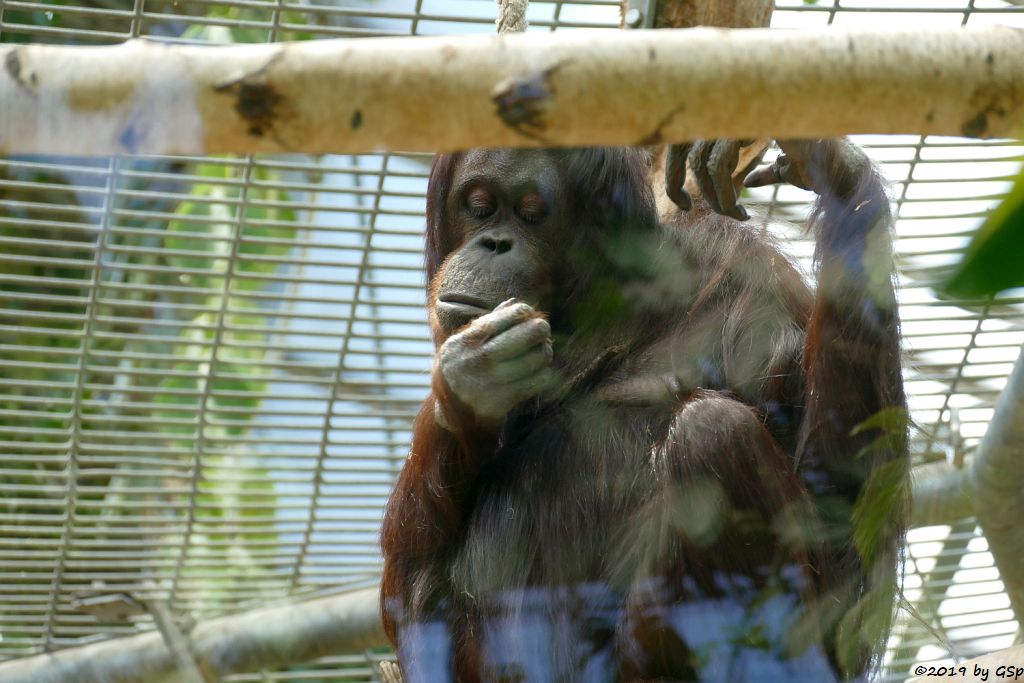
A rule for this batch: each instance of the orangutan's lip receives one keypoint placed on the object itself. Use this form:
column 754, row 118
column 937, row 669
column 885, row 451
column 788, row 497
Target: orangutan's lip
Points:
column 460, row 304
column 455, row 310
column 456, row 307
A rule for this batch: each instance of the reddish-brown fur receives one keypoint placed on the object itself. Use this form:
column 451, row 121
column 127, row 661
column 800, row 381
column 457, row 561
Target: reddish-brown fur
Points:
column 773, row 382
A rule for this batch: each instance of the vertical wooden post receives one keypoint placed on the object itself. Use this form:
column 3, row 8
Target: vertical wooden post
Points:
column 722, row 14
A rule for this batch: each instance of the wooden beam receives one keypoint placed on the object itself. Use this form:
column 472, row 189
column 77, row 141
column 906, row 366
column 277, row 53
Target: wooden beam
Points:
column 630, row 87
column 261, row 639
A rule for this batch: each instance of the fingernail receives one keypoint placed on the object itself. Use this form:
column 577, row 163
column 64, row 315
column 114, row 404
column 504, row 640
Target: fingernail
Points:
column 741, row 212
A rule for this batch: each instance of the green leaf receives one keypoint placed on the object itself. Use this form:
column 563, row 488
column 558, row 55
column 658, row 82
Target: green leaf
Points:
column 878, row 508
column 888, row 420
column 995, row 258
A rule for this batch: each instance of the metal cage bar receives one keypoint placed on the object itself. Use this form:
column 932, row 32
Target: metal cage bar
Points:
column 209, row 366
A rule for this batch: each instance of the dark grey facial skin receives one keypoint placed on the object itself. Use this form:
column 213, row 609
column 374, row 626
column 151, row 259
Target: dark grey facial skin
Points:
column 506, row 212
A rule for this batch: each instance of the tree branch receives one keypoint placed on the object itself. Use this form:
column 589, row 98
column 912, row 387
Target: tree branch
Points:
column 630, row 87
column 998, row 482
column 261, row 639
column 942, row 495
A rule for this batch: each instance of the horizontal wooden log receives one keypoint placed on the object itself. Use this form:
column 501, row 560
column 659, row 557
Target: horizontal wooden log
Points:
column 266, row 638
column 446, row 93
column 942, row 495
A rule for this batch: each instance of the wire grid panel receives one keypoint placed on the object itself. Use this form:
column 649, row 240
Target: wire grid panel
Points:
column 209, row 366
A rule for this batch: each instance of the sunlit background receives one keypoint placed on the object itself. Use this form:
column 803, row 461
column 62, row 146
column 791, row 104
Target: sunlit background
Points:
column 209, row 366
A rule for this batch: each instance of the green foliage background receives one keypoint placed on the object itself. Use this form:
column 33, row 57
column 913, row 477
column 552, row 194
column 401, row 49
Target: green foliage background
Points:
column 190, row 243
column 994, row 260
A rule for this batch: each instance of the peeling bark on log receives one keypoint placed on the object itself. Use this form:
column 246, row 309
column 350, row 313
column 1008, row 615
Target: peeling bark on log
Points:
column 632, row 87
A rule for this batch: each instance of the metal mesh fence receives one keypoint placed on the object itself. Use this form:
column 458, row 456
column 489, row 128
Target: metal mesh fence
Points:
column 209, row 366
